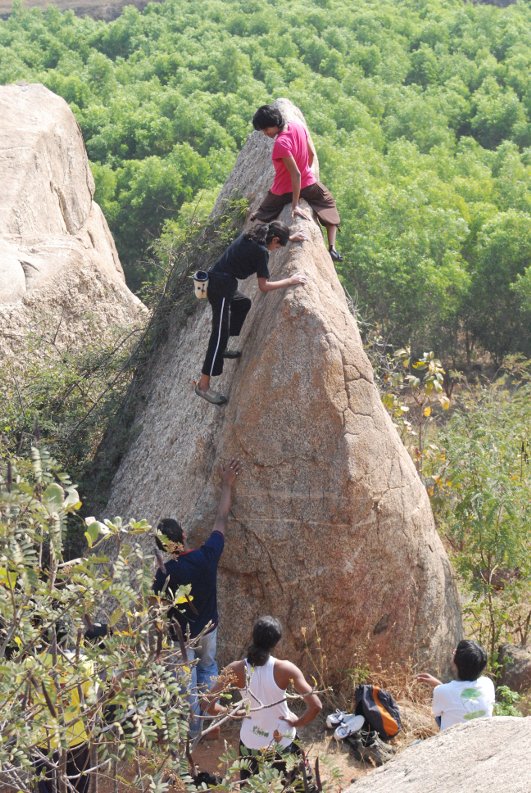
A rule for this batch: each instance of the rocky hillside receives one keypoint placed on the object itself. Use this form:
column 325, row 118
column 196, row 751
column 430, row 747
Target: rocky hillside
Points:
column 60, row 275
column 329, row 512
column 110, row 9
column 468, row 758
column 98, row 9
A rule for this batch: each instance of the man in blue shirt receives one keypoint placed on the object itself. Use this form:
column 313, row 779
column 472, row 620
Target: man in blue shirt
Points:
column 197, row 568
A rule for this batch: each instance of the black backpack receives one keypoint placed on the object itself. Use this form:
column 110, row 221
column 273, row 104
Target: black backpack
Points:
column 379, row 709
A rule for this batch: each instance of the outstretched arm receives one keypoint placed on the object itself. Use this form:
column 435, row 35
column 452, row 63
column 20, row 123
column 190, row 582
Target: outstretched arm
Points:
column 424, row 677
column 229, row 477
column 268, row 286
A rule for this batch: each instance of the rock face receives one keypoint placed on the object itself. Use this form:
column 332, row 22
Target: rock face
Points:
column 467, row 758
column 59, row 268
column 516, row 667
column 97, row 9
column 329, row 511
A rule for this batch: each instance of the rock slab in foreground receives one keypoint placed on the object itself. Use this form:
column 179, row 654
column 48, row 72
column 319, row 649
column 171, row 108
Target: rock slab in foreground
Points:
column 329, row 511
column 484, row 755
column 60, row 275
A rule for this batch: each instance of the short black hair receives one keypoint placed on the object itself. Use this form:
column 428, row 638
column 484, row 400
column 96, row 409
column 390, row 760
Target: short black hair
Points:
column 470, row 659
column 267, row 116
column 264, row 233
column 171, row 529
column 280, row 231
column 267, row 632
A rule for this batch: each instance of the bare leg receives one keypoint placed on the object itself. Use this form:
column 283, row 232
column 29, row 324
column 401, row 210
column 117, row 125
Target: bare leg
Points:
column 331, row 232
column 204, row 382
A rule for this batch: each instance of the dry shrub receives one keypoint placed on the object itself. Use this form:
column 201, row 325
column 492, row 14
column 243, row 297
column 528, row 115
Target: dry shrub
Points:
column 413, row 698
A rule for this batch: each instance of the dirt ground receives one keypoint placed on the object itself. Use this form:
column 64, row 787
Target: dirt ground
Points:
column 337, row 764
column 335, row 758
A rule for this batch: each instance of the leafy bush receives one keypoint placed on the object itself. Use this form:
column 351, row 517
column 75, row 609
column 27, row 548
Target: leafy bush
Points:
column 124, row 694
column 506, row 702
column 475, row 463
column 131, row 697
column 63, row 396
column 482, row 505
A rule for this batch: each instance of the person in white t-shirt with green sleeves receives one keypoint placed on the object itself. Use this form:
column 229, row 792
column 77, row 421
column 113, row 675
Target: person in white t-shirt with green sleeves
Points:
column 470, row 696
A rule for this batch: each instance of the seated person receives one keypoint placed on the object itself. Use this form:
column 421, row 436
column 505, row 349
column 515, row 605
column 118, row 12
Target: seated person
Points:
column 470, row 696
column 293, row 154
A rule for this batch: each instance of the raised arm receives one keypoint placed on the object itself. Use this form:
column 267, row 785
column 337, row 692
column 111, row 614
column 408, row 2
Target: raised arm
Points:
column 424, row 677
column 225, row 500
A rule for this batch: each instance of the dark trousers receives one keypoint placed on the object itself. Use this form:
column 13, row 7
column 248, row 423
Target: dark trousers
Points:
column 229, row 309
column 77, row 761
column 279, row 759
column 317, row 195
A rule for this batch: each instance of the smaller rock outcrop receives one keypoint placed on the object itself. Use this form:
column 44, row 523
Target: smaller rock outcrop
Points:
column 60, row 274
column 467, row 758
column 516, row 667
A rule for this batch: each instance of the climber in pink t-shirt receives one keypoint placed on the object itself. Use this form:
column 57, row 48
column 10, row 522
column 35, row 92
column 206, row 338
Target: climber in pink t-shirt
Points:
column 293, row 154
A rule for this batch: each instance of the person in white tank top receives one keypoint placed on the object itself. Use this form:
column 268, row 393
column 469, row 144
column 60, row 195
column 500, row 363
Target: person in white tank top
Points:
column 268, row 723
column 269, row 718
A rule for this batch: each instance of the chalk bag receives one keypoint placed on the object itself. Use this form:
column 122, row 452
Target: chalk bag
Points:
column 201, row 284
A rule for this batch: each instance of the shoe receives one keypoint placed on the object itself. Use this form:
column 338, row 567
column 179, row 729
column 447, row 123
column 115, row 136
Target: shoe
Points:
column 349, row 725
column 232, row 354
column 376, row 753
column 211, row 396
column 368, row 748
column 333, row 720
column 336, row 256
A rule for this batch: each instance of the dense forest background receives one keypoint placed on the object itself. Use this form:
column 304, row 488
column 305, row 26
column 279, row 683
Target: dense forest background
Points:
column 418, row 108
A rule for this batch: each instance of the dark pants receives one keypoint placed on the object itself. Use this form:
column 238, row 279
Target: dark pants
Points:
column 77, row 761
column 229, row 309
column 317, row 195
column 279, row 759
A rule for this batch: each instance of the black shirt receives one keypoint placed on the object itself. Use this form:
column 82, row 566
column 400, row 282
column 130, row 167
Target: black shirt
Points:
column 242, row 258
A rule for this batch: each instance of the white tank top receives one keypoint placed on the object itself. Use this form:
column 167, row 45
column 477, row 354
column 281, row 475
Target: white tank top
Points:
column 264, row 727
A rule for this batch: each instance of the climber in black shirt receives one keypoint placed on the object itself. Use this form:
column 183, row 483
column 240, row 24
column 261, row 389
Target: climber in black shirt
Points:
column 248, row 254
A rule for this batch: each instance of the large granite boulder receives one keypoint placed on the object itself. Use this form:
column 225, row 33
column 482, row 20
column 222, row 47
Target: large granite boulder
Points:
column 329, row 513
column 467, row 758
column 60, row 275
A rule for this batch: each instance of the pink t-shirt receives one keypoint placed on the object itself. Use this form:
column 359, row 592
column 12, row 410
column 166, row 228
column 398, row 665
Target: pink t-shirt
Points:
column 292, row 140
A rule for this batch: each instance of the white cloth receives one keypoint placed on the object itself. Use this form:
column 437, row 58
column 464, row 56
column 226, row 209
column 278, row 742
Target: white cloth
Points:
column 463, row 700
column 264, row 727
